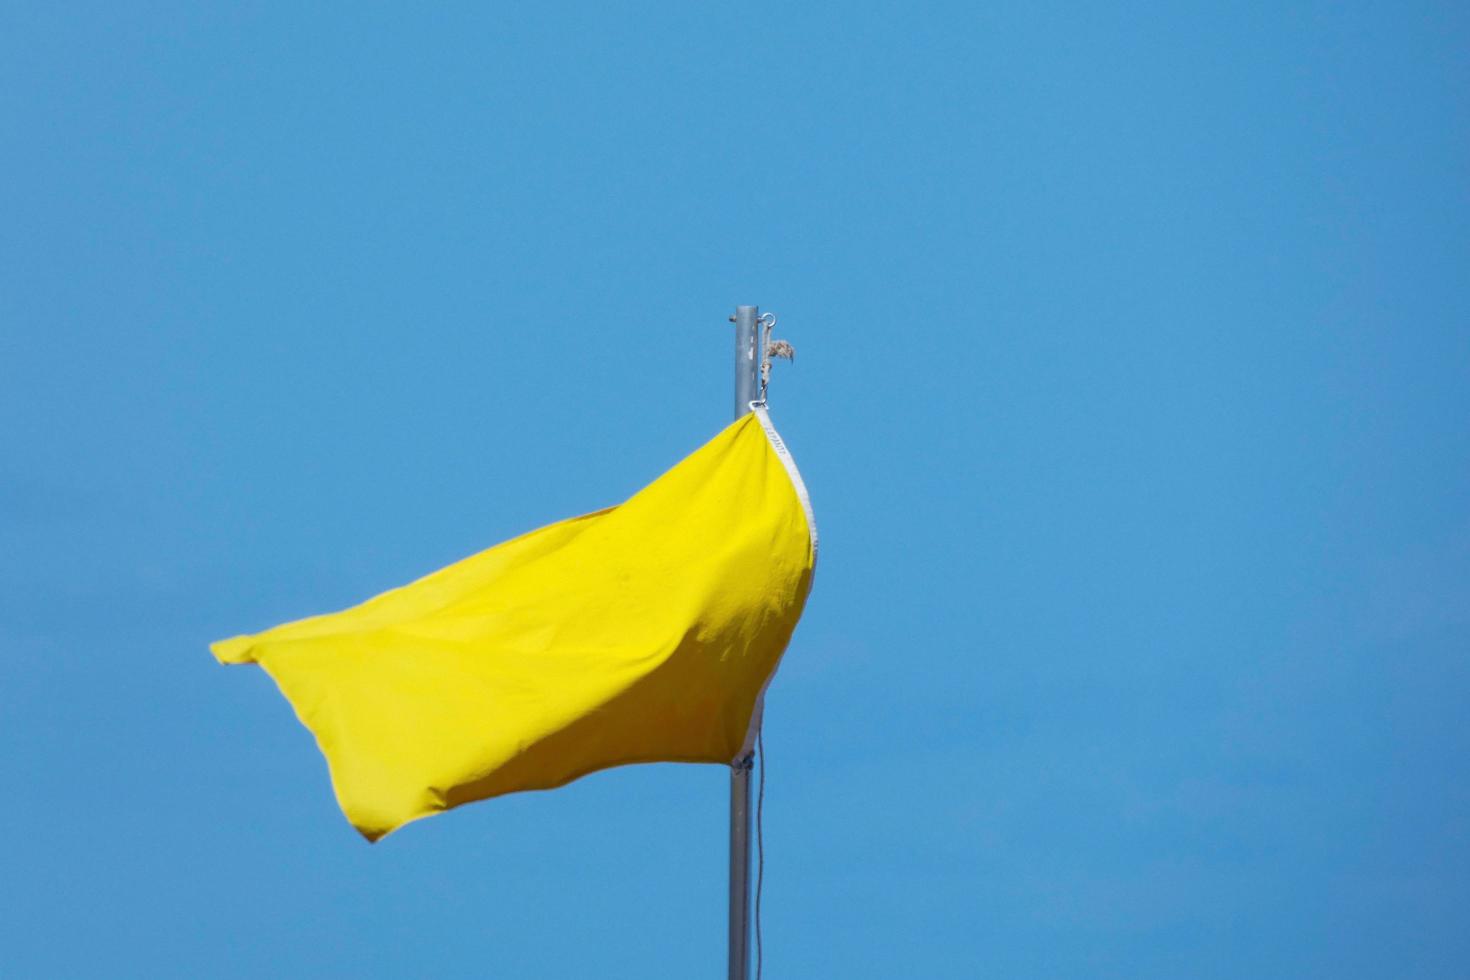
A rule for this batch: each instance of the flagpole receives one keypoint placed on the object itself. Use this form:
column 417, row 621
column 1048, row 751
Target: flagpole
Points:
column 747, row 388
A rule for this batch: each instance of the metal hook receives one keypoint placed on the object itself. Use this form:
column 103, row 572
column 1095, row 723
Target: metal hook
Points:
column 768, row 348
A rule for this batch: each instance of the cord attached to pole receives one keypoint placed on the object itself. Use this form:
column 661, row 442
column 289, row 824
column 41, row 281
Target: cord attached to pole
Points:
column 767, row 348
column 760, row 846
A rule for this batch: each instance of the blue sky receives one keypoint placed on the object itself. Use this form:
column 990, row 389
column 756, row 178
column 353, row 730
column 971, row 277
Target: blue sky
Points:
column 1131, row 391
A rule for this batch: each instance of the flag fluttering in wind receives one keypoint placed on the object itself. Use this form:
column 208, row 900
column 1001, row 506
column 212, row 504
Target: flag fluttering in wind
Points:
column 646, row 632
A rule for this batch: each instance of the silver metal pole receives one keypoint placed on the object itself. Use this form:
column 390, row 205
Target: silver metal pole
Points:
column 747, row 388
column 740, row 868
column 747, row 359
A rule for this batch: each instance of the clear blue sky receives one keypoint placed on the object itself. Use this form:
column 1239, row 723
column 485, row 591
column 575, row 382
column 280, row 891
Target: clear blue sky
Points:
column 1131, row 390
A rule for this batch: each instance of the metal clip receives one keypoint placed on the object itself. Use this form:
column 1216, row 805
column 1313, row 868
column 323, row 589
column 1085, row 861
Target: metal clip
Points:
column 770, row 348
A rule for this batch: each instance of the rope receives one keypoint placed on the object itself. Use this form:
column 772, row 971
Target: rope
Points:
column 769, row 348
column 760, row 847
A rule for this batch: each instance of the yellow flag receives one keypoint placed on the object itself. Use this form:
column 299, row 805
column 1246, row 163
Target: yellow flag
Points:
column 646, row 632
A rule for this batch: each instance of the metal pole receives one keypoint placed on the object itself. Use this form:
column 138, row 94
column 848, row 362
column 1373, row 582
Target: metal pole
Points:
column 747, row 360
column 747, row 387
column 740, row 868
